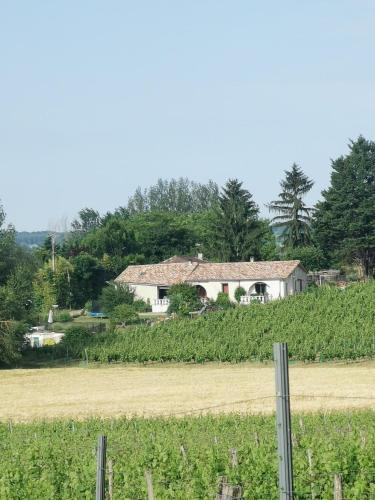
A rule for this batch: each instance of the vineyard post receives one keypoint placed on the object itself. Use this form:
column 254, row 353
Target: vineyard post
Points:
column 283, row 421
column 100, row 467
column 337, row 487
column 150, row 488
column 110, row 480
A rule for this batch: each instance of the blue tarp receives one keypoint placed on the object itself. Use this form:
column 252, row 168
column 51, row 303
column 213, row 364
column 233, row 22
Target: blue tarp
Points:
column 97, row 315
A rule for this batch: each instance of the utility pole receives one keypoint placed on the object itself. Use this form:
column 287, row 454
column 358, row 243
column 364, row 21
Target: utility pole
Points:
column 283, row 421
column 53, row 241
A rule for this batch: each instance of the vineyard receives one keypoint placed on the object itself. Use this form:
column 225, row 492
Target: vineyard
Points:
column 186, row 456
column 322, row 324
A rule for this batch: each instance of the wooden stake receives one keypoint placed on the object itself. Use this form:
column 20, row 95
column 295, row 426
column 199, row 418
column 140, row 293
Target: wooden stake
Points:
column 309, row 457
column 150, row 489
column 337, row 487
column 256, row 438
column 227, row 491
column 234, row 457
column 110, row 479
column 183, row 451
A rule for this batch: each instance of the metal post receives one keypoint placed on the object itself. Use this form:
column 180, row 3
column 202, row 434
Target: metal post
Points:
column 100, row 467
column 283, row 422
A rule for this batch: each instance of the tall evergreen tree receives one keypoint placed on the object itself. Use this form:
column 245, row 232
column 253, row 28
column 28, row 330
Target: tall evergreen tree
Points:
column 293, row 215
column 236, row 226
column 344, row 222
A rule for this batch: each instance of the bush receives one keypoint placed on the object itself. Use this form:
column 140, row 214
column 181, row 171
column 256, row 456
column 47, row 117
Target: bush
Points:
column 183, row 299
column 62, row 317
column 114, row 295
column 75, row 339
column 142, row 306
column 238, row 293
column 124, row 314
column 223, row 301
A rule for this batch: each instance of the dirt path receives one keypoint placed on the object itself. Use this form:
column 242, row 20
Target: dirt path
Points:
column 77, row 392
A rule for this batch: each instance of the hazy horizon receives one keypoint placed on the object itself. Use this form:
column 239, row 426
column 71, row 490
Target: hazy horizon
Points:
column 97, row 98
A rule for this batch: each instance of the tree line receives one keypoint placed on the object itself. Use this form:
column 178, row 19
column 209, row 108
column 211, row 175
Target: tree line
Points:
column 183, row 217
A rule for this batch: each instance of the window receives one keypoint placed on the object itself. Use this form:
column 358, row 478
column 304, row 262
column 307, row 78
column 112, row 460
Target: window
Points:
column 162, row 292
column 260, row 288
column 225, row 288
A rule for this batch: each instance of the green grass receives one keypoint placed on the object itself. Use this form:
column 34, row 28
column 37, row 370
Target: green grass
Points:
column 57, row 459
column 323, row 324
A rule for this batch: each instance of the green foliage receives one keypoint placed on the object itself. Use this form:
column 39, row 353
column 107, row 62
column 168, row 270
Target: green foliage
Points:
column 183, row 299
column 53, row 287
column 236, row 227
column 62, row 317
column 88, row 219
column 345, row 218
column 141, row 306
column 238, row 293
column 326, row 323
column 124, row 314
column 12, row 337
column 56, row 459
column 87, row 278
column 115, row 295
column 223, row 301
column 75, row 340
column 294, row 217
column 16, row 296
column 311, row 257
column 177, row 195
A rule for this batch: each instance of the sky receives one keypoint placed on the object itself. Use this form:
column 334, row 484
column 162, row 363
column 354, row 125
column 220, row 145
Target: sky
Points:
column 99, row 97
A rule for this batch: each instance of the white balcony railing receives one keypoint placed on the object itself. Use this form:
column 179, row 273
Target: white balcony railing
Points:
column 248, row 299
column 160, row 305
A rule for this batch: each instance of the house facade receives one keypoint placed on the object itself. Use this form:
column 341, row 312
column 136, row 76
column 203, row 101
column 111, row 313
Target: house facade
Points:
column 262, row 281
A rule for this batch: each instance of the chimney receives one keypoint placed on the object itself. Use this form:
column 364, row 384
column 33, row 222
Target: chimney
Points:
column 200, row 256
column 252, row 259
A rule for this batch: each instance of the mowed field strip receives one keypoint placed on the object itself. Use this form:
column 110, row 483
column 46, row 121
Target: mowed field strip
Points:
column 154, row 390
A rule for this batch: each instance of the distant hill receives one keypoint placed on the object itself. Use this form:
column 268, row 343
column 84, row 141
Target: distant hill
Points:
column 34, row 239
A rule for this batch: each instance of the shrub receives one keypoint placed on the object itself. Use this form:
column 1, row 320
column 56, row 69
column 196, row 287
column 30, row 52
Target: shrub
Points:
column 223, row 301
column 141, row 306
column 75, row 339
column 183, row 299
column 124, row 314
column 238, row 293
column 113, row 295
column 62, row 317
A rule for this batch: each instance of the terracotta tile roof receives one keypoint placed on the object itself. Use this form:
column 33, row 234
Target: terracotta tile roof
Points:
column 232, row 271
column 182, row 258
column 170, row 273
column 157, row 274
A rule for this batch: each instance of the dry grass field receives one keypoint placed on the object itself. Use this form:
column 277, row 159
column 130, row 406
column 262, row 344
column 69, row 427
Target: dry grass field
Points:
column 111, row 391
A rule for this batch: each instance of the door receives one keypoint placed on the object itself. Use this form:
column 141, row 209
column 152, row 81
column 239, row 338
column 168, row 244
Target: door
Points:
column 225, row 288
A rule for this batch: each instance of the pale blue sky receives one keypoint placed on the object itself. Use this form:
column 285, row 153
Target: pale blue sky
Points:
column 97, row 98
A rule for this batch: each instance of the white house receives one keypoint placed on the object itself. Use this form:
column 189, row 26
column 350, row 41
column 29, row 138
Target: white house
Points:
column 263, row 281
